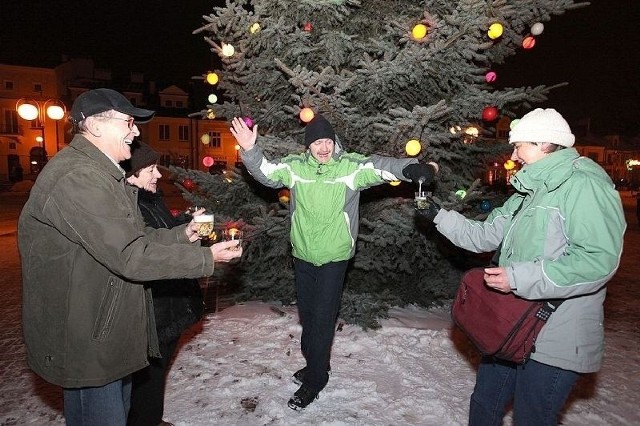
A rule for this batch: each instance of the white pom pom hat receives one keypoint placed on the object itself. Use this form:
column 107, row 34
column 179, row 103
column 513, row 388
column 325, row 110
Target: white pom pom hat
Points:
column 542, row 125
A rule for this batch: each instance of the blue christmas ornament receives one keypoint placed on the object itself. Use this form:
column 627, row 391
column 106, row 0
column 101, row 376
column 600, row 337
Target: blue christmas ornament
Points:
column 485, row 206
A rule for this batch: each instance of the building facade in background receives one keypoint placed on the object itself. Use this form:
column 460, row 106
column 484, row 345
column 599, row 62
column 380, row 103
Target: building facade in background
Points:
column 27, row 145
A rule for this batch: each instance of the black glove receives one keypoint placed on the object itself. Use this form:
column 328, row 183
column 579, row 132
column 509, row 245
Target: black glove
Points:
column 417, row 172
column 427, row 209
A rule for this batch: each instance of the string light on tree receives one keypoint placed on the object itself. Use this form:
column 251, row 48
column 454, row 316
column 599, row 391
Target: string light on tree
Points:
column 188, row 184
column 306, row 115
column 489, row 113
column 208, row 161
column 513, row 123
column 419, row 31
column 284, row 195
column 248, row 121
column 307, row 27
column 394, row 183
column 254, row 28
column 509, row 165
column 212, row 78
column 205, row 139
column 537, row 28
column 211, row 114
column 212, row 98
column 413, row 147
column 228, row 50
column 529, row 42
column 495, row 30
column 461, row 193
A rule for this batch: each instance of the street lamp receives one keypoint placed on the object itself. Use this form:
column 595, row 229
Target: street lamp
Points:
column 37, row 113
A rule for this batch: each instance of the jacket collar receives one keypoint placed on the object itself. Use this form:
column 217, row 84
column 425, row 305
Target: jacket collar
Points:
column 550, row 172
column 83, row 145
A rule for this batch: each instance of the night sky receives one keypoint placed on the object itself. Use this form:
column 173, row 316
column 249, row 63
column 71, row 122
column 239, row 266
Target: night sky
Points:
column 595, row 49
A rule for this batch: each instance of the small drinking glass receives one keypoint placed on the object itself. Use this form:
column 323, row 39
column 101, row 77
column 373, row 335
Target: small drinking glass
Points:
column 205, row 225
column 421, row 200
column 232, row 234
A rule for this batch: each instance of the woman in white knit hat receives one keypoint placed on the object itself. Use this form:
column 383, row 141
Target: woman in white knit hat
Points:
column 561, row 236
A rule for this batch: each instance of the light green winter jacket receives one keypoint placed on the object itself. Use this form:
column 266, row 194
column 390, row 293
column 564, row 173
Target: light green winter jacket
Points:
column 565, row 242
column 324, row 197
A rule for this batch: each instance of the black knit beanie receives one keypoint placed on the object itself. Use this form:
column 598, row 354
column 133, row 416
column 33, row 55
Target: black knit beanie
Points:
column 142, row 155
column 318, row 128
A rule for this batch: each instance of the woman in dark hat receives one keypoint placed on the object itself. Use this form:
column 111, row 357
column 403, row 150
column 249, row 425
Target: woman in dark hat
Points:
column 177, row 303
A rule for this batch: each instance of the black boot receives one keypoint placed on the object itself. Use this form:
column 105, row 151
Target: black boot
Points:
column 303, row 397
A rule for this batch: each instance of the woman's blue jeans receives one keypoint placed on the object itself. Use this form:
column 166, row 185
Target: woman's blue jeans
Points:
column 106, row 405
column 538, row 393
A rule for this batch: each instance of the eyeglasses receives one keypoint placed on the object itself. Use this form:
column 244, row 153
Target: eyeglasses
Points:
column 129, row 121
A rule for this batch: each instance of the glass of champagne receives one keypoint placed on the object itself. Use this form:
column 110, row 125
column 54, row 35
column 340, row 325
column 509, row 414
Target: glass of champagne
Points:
column 205, row 225
column 421, row 200
column 232, row 234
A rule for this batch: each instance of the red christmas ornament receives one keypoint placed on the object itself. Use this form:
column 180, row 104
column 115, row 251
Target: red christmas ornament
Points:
column 188, row 184
column 175, row 212
column 489, row 113
column 307, row 27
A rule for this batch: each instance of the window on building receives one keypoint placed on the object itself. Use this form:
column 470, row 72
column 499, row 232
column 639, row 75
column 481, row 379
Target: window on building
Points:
column 168, row 103
column 179, row 104
column 37, row 87
column 163, row 134
column 165, row 160
column 183, row 133
column 215, row 139
column 10, row 121
column 8, row 85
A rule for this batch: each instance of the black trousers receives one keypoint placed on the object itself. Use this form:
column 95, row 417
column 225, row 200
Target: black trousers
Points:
column 319, row 292
column 148, row 386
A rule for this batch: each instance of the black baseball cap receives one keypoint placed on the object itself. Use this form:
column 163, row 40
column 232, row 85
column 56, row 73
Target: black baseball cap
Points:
column 100, row 100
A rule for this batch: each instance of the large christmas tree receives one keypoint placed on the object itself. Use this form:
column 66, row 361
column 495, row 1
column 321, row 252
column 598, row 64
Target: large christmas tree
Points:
column 384, row 73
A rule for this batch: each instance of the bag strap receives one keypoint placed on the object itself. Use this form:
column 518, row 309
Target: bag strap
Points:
column 550, row 305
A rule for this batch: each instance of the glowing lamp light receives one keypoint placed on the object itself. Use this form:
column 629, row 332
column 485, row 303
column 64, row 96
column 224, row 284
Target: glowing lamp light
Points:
column 529, row 42
column 208, row 161
column 228, row 50
column 284, row 195
column 237, row 147
column 413, row 147
column 490, row 77
column 495, row 30
column 461, row 193
column 306, row 115
column 212, row 78
column 205, row 139
column 254, row 28
column 28, row 111
column 212, row 99
column 509, row 165
column 489, row 113
column 394, row 183
column 514, row 123
column 537, row 28
column 55, row 112
column 39, row 139
column 419, row 31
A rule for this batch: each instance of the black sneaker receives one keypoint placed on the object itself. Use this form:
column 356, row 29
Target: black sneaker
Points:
column 298, row 376
column 303, row 397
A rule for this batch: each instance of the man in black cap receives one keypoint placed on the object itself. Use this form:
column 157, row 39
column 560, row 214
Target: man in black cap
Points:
column 325, row 184
column 85, row 250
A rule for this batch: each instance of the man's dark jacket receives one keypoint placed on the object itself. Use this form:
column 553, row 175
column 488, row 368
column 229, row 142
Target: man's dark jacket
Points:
column 85, row 251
